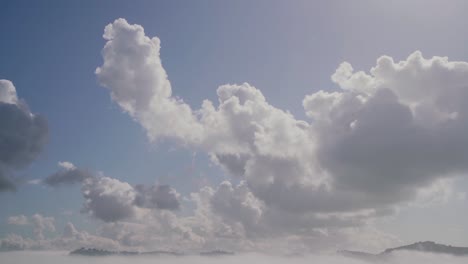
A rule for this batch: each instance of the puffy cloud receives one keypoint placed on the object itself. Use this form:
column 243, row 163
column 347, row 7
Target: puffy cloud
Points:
column 8, row 92
column 384, row 139
column 157, row 196
column 72, row 238
column 20, row 220
column 237, row 204
column 41, row 224
column 13, row 242
column 139, row 84
column 401, row 130
column 112, row 200
column 22, row 134
column 68, row 174
column 108, row 199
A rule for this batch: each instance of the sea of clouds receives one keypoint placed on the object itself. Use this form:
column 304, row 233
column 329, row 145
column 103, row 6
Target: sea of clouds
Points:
column 52, row 257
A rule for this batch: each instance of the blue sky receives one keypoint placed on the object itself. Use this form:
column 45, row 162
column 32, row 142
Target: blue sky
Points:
column 287, row 49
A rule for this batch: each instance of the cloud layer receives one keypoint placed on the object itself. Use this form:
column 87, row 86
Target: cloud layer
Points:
column 61, row 257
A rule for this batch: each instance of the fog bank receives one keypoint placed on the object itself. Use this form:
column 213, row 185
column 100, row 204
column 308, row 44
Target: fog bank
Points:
column 54, row 257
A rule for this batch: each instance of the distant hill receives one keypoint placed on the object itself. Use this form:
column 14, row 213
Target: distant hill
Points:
column 432, row 247
column 216, row 253
column 426, row 246
column 101, row 252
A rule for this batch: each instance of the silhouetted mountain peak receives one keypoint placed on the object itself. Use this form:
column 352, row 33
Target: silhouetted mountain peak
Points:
column 425, row 246
column 101, row 252
column 216, row 252
column 432, row 247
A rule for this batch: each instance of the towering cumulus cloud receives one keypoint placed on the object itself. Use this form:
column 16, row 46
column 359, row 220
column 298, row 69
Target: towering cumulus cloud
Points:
column 133, row 72
column 22, row 134
column 375, row 144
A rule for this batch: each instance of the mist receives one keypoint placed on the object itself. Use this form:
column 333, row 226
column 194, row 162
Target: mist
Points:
column 56, row 257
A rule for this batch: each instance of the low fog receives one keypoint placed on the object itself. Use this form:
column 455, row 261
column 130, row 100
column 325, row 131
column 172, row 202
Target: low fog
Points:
column 63, row 257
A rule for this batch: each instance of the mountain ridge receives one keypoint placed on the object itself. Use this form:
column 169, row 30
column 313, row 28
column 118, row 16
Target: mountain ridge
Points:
column 84, row 251
column 424, row 246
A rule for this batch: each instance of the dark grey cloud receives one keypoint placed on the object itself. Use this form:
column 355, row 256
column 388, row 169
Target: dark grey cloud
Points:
column 112, row 200
column 23, row 135
column 157, row 196
column 67, row 175
column 108, row 199
column 5, row 183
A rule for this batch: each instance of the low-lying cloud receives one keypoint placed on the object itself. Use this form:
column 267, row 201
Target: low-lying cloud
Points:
column 27, row 257
column 110, row 199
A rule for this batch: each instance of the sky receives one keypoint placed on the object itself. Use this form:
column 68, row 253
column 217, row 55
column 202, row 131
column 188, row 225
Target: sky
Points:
column 259, row 126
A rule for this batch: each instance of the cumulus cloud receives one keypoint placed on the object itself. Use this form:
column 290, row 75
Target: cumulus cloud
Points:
column 41, row 224
column 157, row 196
column 112, row 200
column 20, row 220
column 22, row 134
column 8, row 92
column 13, row 242
column 70, row 239
column 68, row 174
column 384, row 139
column 397, row 129
column 109, row 199
column 139, row 84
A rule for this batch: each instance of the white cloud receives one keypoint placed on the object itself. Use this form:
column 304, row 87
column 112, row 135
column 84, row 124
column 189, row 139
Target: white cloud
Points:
column 385, row 139
column 109, row 199
column 139, row 84
column 41, row 224
column 18, row 220
column 393, row 136
column 70, row 239
column 66, row 165
column 112, row 200
column 157, row 196
column 8, row 92
column 13, row 242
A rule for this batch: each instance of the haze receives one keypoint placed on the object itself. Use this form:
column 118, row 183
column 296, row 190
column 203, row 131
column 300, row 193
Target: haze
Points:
column 62, row 257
